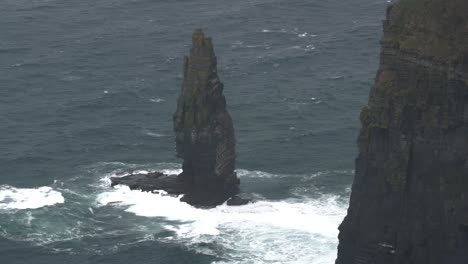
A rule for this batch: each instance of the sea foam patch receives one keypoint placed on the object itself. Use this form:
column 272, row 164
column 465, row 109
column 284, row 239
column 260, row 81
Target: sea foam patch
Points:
column 287, row 231
column 24, row 198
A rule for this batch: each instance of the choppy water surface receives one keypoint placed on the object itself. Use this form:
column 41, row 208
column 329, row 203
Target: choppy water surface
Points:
column 87, row 91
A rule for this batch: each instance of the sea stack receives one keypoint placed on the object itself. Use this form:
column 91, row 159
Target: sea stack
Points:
column 204, row 137
column 204, row 130
column 409, row 201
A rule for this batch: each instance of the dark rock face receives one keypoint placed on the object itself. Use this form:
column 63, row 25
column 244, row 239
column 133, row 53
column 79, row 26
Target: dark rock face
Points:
column 152, row 182
column 204, row 137
column 204, row 130
column 409, row 201
column 237, row 200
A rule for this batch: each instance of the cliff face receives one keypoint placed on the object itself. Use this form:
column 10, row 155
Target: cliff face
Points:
column 409, row 201
column 204, row 130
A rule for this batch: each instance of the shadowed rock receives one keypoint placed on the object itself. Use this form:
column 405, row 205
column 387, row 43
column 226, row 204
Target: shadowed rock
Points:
column 151, row 182
column 409, row 201
column 204, row 136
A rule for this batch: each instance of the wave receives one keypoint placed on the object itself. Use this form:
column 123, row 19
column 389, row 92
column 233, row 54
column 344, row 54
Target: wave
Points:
column 241, row 45
column 242, row 173
column 154, row 134
column 302, row 229
column 295, row 31
column 157, row 100
column 23, row 198
column 255, row 174
column 288, row 231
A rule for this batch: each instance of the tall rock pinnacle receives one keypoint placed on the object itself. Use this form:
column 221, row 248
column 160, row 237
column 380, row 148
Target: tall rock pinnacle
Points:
column 204, row 137
column 409, row 201
column 204, row 130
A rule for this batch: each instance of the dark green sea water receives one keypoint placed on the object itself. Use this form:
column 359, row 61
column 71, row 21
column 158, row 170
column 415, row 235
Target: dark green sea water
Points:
column 87, row 91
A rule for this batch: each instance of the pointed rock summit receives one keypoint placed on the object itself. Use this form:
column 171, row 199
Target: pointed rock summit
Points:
column 204, row 130
column 204, row 137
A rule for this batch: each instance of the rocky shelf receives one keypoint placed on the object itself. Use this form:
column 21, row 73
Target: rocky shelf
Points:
column 157, row 182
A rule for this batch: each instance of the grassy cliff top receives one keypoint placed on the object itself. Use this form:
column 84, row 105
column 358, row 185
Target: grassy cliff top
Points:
column 434, row 29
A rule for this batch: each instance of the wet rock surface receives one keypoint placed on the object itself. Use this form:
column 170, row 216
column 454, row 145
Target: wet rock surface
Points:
column 152, row 181
column 204, row 136
column 409, row 201
column 237, row 200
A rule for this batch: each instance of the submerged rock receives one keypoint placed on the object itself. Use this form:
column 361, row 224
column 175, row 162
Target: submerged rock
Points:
column 409, row 201
column 237, row 200
column 204, row 136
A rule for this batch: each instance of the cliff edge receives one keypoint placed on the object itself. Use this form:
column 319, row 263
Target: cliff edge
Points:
column 409, row 201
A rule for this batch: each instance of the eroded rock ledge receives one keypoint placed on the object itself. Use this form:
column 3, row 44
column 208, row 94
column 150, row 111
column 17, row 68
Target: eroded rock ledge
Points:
column 409, row 201
column 204, row 137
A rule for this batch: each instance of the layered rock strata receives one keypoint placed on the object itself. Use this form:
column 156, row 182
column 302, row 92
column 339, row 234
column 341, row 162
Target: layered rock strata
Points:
column 204, row 137
column 409, row 201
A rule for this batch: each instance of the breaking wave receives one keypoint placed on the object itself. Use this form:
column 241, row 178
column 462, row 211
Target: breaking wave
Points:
column 298, row 228
column 22, row 198
column 266, row 231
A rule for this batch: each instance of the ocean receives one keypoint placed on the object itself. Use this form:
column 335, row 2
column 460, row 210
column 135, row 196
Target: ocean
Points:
column 88, row 89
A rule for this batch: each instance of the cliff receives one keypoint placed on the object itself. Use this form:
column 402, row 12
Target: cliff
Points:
column 204, row 137
column 409, row 201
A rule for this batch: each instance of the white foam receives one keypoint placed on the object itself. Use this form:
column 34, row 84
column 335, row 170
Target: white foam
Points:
column 289, row 231
column 274, row 31
column 29, row 218
column 172, row 171
column 153, row 134
column 23, row 198
column 141, row 172
column 106, row 180
column 261, row 174
column 157, row 100
column 309, row 47
column 256, row 174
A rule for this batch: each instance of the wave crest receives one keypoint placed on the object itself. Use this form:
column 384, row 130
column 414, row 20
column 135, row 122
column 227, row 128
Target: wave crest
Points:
column 286, row 231
column 24, row 198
